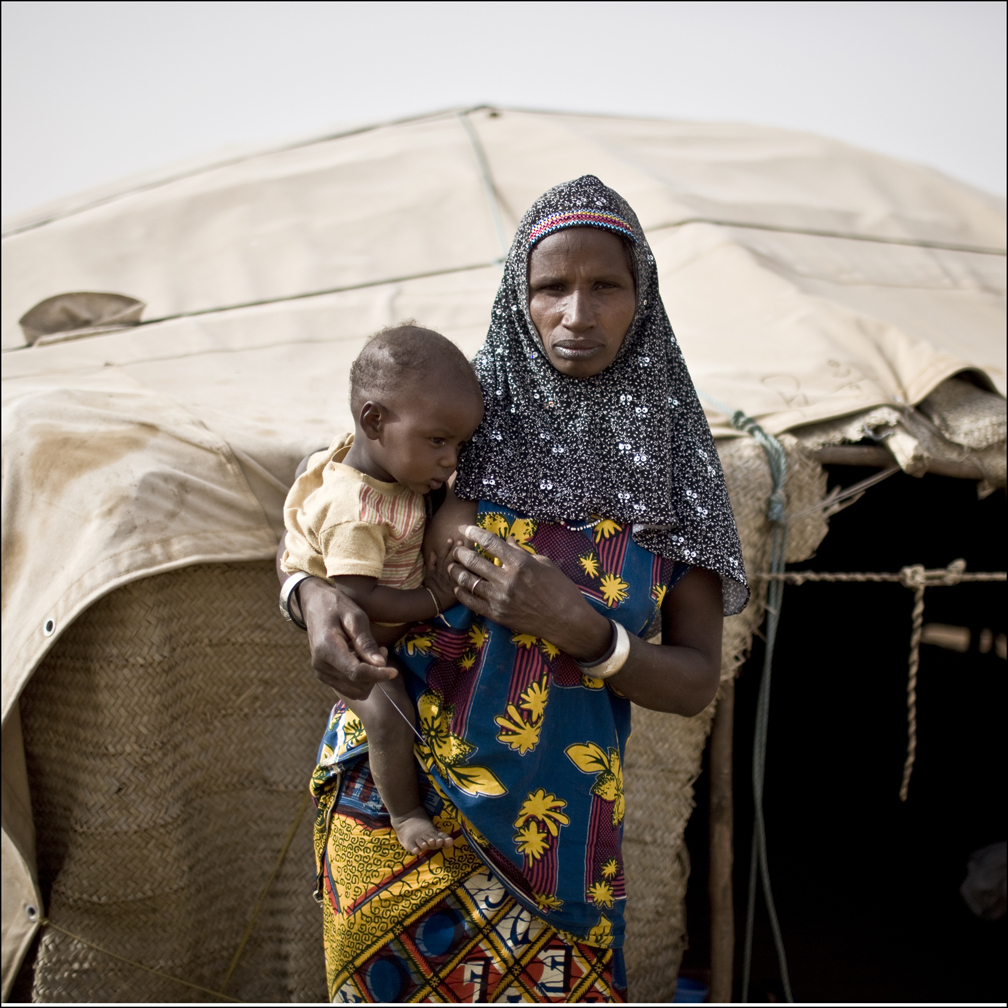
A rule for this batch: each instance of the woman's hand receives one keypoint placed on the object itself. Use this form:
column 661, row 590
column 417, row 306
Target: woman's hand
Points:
column 344, row 653
column 528, row 594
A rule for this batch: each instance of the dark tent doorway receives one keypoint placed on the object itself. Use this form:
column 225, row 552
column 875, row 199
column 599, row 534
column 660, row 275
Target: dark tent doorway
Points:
column 866, row 886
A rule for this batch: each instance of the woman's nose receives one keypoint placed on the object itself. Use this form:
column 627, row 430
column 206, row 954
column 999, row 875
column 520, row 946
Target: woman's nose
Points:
column 578, row 313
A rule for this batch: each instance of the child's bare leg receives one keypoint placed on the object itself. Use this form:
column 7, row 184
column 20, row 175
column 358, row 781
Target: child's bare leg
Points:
column 390, row 749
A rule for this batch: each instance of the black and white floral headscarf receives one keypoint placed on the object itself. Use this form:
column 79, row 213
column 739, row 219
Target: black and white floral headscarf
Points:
column 631, row 443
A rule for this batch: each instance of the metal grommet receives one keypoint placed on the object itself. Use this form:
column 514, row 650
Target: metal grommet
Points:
column 49, row 627
column 32, row 912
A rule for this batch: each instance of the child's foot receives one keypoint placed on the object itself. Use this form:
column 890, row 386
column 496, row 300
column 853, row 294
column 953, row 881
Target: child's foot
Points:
column 418, row 834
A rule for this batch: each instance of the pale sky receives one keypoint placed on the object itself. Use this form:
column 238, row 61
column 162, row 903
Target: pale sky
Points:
column 96, row 91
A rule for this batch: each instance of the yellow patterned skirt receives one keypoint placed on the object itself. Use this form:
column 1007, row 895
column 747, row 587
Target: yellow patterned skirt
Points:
column 437, row 927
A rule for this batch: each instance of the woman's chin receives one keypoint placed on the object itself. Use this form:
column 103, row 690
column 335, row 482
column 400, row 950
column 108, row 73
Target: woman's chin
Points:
column 584, row 368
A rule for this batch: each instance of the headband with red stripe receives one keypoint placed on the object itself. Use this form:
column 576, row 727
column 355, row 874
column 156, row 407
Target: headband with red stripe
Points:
column 581, row 218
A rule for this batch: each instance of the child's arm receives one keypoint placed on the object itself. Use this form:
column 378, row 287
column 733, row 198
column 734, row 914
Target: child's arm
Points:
column 402, row 605
column 388, row 605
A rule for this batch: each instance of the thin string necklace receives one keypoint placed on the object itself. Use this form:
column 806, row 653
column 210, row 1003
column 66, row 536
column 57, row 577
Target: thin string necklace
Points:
column 581, row 528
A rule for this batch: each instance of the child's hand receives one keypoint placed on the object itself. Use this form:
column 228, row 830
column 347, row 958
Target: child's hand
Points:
column 437, row 578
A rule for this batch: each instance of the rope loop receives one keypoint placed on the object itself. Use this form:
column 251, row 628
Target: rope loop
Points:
column 917, row 577
column 913, row 577
column 776, row 456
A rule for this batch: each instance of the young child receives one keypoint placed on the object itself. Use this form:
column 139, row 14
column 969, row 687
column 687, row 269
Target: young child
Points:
column 356, row 516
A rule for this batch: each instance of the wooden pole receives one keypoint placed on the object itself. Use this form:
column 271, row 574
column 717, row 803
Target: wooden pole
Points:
column 721, row 847
column 879, row 457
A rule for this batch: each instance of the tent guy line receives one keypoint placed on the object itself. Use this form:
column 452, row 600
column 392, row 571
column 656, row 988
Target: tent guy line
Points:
column 916, row 578
column 493, row 196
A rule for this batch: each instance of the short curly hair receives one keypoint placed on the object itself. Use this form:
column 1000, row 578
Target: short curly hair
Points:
column 405, row 355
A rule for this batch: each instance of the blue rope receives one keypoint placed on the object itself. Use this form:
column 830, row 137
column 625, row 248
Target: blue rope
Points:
column 777, row 515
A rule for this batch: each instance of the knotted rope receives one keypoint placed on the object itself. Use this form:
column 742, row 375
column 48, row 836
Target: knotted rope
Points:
column 916, row 578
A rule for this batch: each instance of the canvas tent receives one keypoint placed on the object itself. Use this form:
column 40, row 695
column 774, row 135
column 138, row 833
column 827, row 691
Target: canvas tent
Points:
column 816, row 287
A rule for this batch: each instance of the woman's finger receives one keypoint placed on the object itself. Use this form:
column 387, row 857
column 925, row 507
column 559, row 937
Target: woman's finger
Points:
column 469, row 581
column 358, row 628
column 479, row 606
column 339, row 667
column 444, row 552
column 471, row 560
column 493, row 544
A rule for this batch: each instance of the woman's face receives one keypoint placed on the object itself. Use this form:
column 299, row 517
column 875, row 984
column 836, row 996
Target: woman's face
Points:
column 581, row 298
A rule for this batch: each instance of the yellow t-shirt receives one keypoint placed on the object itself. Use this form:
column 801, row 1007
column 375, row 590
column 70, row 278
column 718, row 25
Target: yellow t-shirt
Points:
column 341, row 522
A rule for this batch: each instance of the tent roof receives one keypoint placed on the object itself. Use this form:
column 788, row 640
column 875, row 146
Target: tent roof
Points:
column 805, row 279
column 332, row 238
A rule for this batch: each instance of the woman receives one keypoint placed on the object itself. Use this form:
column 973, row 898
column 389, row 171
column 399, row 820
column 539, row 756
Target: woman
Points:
column 595, row 500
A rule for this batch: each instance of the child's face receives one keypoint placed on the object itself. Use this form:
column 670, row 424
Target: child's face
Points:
column 420, row 433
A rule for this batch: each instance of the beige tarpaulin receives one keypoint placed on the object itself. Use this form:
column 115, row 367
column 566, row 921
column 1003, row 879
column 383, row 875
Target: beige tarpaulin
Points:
column 805, row 279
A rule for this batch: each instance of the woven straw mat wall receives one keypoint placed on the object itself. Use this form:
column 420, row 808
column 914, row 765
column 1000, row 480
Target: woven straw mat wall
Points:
column 169, row 737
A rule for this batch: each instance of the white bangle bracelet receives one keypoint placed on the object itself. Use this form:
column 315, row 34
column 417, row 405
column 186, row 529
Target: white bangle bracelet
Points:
column 611, row 665
column 286, row 590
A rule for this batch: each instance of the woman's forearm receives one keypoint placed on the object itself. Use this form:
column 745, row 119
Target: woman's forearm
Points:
column 680, row 675
column 582, row 632
column 673, row 679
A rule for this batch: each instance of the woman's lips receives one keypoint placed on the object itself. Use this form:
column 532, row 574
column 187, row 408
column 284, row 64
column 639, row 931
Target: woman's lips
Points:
column 575, row 351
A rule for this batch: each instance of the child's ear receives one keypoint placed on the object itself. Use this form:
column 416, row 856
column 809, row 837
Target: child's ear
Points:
column 372, row 420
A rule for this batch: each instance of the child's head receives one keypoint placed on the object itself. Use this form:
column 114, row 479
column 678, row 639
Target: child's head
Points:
column 415, row 400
